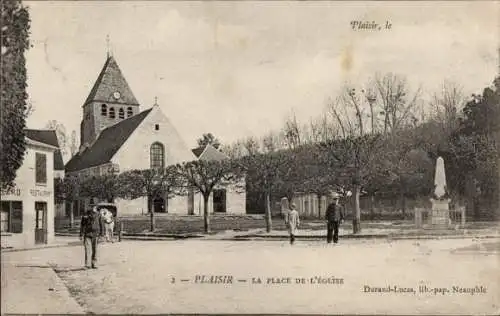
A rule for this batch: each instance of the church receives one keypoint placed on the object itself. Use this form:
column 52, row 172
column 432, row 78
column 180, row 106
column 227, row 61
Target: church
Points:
column 116, row 135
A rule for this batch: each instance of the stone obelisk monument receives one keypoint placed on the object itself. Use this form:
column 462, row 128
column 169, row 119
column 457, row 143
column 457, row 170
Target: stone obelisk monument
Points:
column 440, row 214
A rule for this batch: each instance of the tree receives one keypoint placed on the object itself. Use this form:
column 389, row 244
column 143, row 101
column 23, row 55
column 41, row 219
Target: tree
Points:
column 67, row 190
column 446, row 105
column 292, row 132
column 208, row 139
column 62, row 137
column 103, row 187
column 266, row 169
column 317, row 172
column 73, row 143
column 205, row 176
column 408, row 168
column 151, row 183
column 235, row 150
column 29, row 108
column 395, row 104
column 263, row 176
column 358, row 149
column 474, row 149
column 14, row 42
column 319, row 129
column 251, row 146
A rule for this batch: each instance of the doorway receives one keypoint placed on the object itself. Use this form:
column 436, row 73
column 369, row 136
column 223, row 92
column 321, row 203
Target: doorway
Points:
column 41, row 223
column 220, row 201
column 157, row 205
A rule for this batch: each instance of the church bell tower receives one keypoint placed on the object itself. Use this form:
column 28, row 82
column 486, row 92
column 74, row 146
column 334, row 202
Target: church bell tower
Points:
column 110, row 101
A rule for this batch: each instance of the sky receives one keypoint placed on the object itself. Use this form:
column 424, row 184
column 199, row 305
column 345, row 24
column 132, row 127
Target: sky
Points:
column 238, row 69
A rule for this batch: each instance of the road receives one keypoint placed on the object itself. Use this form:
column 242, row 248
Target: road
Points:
column 193, row 276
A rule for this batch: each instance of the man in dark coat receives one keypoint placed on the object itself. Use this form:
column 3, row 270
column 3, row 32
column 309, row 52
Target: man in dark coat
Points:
column 334, row 216
column 91, row 229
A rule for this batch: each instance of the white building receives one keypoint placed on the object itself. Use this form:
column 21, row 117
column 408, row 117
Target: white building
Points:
column 27, row 210
column 229, row 199
column 117, row 136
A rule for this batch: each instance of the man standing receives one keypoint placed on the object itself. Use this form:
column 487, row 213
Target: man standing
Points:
column 334, row 216
column 292, row 221
column 91, row 228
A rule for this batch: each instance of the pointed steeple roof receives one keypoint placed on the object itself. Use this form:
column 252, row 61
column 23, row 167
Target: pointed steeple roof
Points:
column 111, row 86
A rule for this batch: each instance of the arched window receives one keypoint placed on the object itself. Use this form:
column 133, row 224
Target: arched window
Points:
column 104, row 110
column 157, row 155
column 121, row 113
column 112, row 113
column 129, row 111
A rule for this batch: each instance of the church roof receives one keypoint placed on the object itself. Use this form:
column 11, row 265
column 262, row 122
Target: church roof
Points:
column 47, row 137
column 198, row 151
column 111, row 80
column 107, row 144
column 209, row 153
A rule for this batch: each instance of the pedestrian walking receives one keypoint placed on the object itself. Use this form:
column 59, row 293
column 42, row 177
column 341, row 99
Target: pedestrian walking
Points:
column 109, row 224
column 292, row 221
column 334, row 217
column 91, row 229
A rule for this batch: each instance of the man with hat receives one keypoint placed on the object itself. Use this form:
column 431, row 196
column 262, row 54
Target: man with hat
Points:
column 91, row 229
column 334, row 216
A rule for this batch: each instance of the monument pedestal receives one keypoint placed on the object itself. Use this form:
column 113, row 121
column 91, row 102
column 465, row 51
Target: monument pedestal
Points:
column 440, row 213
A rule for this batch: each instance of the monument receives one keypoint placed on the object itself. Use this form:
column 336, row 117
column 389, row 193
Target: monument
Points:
column 440, row 213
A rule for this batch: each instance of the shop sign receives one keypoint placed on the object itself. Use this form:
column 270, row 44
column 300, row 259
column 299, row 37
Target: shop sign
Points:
column 40, row 193
column 11, row 191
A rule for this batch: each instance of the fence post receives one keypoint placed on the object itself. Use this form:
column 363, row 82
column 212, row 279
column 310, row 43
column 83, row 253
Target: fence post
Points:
column 120, row 232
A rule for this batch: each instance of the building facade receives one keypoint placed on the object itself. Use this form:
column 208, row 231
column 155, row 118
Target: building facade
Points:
column 224, row 199
column 116, row 136
column 50, row 137
column 27, row 210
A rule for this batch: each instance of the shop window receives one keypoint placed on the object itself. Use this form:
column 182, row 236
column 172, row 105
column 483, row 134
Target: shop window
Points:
column 112, row 113
column 121, row 113
column 40, row 168
column 11, row 220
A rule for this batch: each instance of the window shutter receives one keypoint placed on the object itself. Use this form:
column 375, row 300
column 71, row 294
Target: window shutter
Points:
column 40, row 168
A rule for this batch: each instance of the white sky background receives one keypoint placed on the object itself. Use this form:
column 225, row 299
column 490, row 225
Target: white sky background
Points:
column 238, row 69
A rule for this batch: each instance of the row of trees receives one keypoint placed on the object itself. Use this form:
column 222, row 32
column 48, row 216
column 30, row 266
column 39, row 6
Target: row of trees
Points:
column 202, row 176
column 375, row 139
column 348, row 149
column 378, row 140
